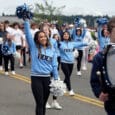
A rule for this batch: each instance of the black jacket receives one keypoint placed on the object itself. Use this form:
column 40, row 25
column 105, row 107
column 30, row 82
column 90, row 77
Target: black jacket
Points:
column 96, row 82
column 94, row 78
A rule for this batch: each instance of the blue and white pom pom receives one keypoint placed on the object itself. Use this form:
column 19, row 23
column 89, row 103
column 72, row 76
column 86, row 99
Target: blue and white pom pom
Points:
column 77, row 22
column 80, row 22
column 17, row 55
column 24, row 12
column 102, row 21
column 75, row 53
column 92, row 47
column 5, row 49
column 57, row 87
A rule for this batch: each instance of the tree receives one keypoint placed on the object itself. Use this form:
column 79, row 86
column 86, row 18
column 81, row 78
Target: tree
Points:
column 3, row 14
column 47, row 11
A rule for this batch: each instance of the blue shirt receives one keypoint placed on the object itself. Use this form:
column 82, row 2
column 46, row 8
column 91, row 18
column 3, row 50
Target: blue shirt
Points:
column 8, row 49
column 66, row 50
column 103, row 41
column 46, row 62
column 80, row 38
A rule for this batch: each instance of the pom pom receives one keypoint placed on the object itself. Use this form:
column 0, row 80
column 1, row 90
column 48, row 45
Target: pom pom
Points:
column 92, row 47
column 80, row 22
column 5, row 49
column 17, row 55
column 102, row 21
column 24, row 12
column 57, row 87
column 75, row 53
column 77, row 22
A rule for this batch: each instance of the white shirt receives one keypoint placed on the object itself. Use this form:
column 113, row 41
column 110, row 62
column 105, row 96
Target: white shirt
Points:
column 18, row 36
column 33, row 31
column 54, row 31
column 10, row 30
column 87, row 37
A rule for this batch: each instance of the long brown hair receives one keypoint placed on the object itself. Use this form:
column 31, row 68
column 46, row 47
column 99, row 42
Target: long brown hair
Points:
column 38, row 45
column 70, row 39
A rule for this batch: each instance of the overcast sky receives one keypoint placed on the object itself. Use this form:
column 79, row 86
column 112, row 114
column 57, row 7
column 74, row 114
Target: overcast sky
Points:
column 73, row 7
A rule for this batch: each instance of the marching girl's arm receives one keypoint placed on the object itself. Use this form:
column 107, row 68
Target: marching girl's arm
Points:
column 99, row 32
column 101, row 38
column 74, row 33
column 28, row 34
column 83, row 33
column 56, row 48
column 79, row 44
column 55, row 66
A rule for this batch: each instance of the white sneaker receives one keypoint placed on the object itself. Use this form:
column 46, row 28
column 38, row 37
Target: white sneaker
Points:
column 6, row 73
column 56, row 105
column 71, row 93
column 13, row 72
column 21, row 65
column 84, row 68
column 1, row 68
column 79, row 73
column 48, row 106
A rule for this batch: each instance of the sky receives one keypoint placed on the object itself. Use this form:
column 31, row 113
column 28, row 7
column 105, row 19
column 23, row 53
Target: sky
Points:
column 73, row 7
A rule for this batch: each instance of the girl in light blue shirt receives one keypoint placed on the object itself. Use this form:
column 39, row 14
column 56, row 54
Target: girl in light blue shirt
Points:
column 43, row 62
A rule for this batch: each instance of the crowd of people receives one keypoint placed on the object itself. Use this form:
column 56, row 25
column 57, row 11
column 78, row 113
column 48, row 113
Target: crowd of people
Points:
column 49, row 48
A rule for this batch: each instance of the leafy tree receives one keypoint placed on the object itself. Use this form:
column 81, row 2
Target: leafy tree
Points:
column 47, row 11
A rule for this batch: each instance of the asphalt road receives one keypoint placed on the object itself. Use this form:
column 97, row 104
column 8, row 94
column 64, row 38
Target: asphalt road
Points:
column 16, row 97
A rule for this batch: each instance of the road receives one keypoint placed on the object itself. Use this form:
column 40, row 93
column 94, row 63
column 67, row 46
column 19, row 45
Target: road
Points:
column 16, row 97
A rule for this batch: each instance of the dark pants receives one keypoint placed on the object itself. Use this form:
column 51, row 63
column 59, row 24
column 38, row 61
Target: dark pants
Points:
column 54, row 97
column 110, row 107
column 58, row 59
column 24, row 56
column 111, row 113
column 8, row 58
column 79, row 60
column 67, row 70
column 41, row 90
